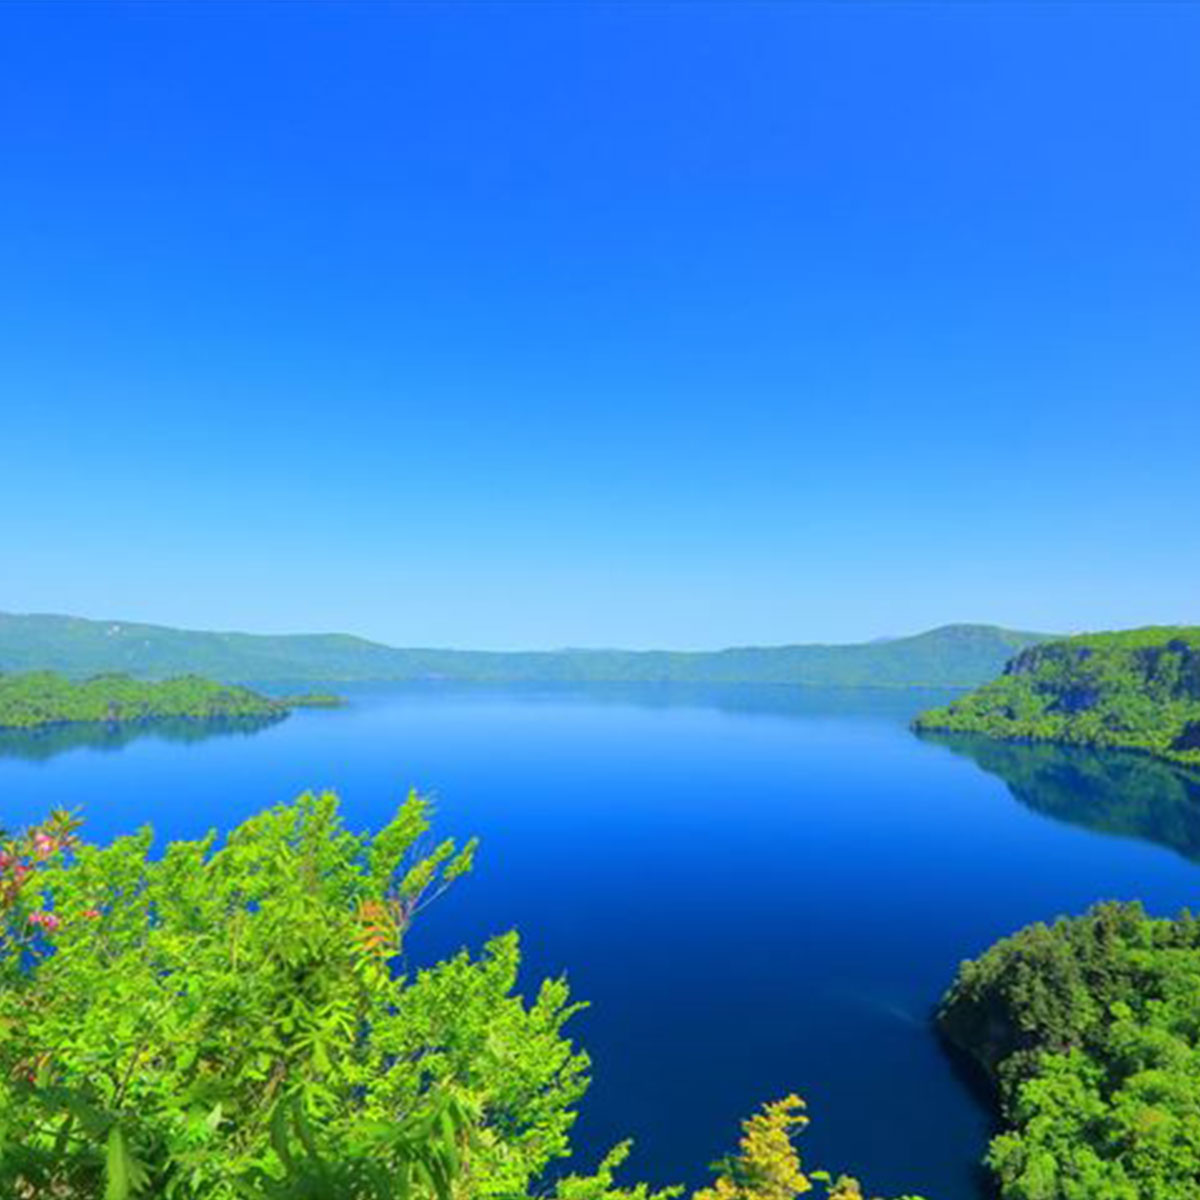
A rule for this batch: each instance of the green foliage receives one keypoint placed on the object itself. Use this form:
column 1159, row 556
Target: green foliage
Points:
column 1138, row 689
column 233, row 1022
column 767, row 1166
column 43, row 698
column 953, row 656
column 1091, row 1030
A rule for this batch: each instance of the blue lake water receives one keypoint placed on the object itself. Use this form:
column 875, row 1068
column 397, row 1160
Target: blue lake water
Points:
column 758, row 890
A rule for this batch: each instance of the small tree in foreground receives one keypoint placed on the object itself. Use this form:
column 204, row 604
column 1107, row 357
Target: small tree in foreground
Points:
column 217, row 1020
column 767, row 1165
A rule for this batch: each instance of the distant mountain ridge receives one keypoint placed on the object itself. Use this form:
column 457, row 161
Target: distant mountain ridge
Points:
column 950, row 656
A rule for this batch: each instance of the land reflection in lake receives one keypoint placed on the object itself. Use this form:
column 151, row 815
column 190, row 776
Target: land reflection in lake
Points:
column 1109, row 791
column 889, row 704
column 49, row 741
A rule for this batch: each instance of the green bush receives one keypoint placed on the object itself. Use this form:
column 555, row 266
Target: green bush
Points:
column 194, row 1015
column 240, row 1023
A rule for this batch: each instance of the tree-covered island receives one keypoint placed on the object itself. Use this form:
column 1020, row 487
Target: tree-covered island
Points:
column 1138, row 690
column 37, row 699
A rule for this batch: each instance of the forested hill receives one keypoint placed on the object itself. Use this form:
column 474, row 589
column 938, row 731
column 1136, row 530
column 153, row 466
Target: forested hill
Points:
column 39, row 698
column 952, row 656
column 1138, row 689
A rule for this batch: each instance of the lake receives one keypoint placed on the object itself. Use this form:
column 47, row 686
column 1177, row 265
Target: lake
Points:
column 758, row 890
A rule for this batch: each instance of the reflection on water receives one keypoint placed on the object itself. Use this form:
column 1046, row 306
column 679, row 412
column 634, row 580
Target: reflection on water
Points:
column 1110, row 791
column 890, row 704
column 894, row 704
column 50, row 740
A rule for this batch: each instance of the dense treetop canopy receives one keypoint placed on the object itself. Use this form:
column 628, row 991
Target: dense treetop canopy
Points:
column 39, row 698
column 1091, row 1029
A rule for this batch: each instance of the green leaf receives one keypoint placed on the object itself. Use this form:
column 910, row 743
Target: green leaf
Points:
column 124, row 1176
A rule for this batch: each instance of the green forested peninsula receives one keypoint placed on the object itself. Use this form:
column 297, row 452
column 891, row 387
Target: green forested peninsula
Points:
column 42, row 698
column 1138, row 689
column 314, row 700
column 1090, row 1029
column 952, row 656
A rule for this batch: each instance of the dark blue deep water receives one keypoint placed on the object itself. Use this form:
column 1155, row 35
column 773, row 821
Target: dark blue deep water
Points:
column 758, row 890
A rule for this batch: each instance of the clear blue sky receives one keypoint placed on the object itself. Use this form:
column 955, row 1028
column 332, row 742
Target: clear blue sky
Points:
column 636, row 324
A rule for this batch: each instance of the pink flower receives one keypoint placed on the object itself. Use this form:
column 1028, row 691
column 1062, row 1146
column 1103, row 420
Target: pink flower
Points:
column 92, row 914
column 47, row 920
column 44, row 845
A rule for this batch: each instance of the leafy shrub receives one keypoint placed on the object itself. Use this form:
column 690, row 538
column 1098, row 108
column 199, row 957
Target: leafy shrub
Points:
column 238, row 1022
column 194, row 1014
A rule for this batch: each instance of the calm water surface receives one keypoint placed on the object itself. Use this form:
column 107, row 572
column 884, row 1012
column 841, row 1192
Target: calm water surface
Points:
column 758, row 890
